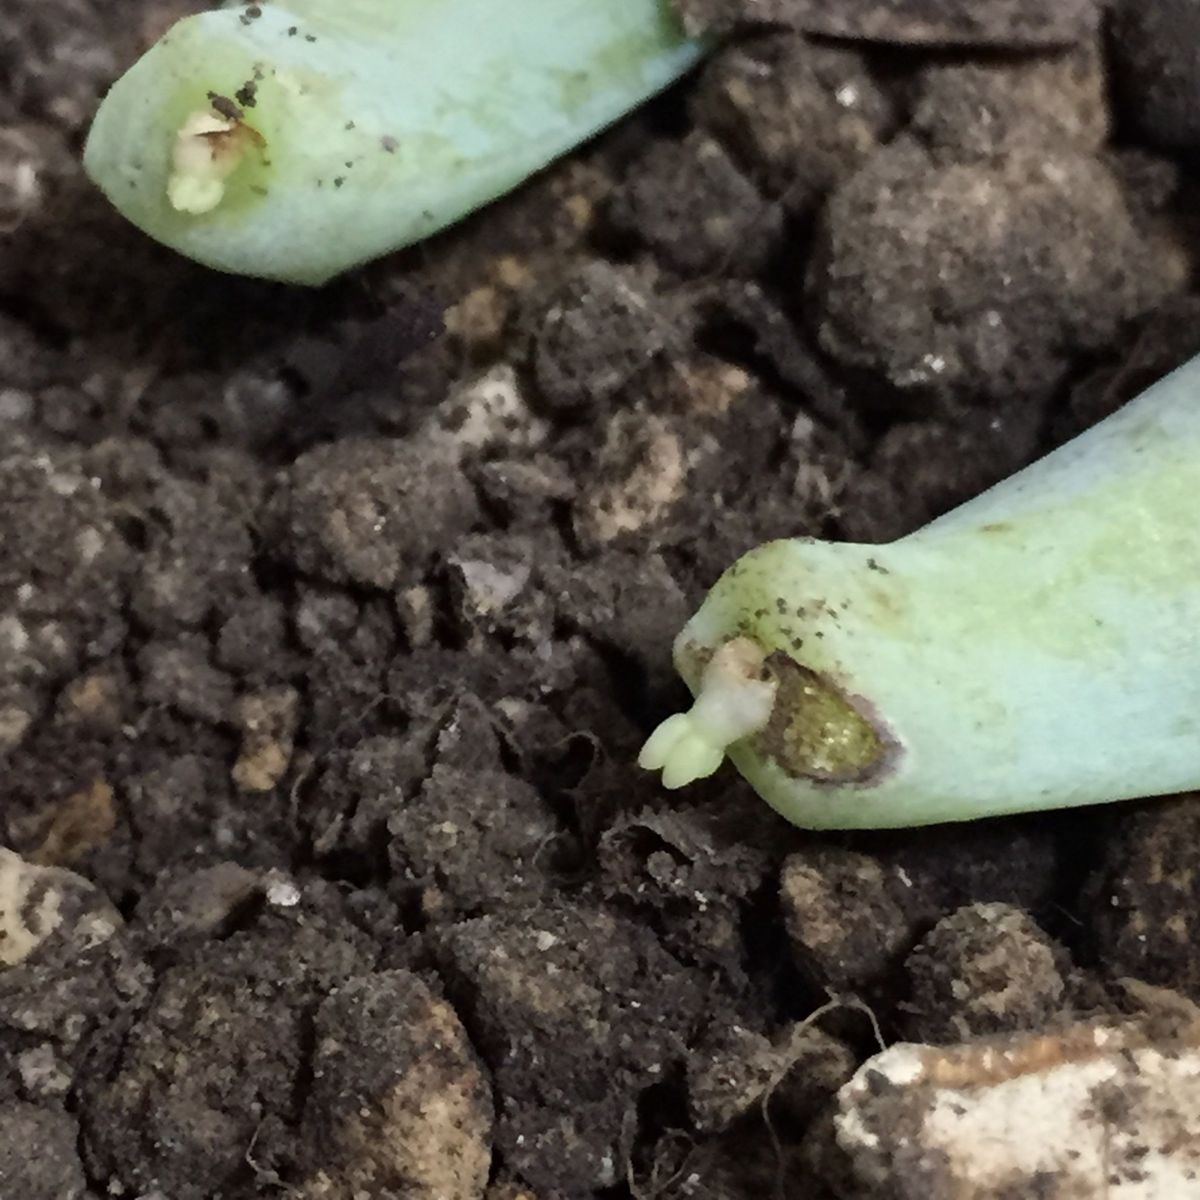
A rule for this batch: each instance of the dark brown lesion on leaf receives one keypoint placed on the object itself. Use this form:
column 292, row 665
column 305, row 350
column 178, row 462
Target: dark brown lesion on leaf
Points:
column 819, row 733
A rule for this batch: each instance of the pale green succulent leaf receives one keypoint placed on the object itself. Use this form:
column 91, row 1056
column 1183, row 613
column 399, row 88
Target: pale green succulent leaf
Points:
column 1038, row 648
column 376, row 122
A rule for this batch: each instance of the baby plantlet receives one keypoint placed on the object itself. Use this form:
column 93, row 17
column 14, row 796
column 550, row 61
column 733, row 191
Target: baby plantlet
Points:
column 1037, row 648
column 295, row 140
column 736, row 697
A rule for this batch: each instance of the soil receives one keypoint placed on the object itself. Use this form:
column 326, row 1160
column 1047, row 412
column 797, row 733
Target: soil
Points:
column 331, row 622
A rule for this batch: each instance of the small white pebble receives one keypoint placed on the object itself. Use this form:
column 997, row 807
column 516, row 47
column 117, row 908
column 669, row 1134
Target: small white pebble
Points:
column 847, row 95
column 282, row 893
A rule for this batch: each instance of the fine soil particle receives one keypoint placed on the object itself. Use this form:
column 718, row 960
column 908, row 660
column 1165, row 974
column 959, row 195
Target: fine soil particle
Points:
column 331, row 622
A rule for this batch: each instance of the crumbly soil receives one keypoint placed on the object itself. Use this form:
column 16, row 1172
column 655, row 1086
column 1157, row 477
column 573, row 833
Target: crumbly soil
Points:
column 331, row 622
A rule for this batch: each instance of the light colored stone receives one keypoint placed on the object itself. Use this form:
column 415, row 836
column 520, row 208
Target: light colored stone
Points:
column 268, row 719
column 1095, row 1110
column 35, row 901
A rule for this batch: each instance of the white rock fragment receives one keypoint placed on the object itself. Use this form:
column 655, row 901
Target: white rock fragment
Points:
column 489, row 412
column 1096, row 1110
column 282, row 892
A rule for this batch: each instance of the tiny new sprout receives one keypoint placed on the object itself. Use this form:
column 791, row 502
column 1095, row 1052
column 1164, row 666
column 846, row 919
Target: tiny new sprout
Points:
column 295, row 140
column 1037, row 648
column 735, row 700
